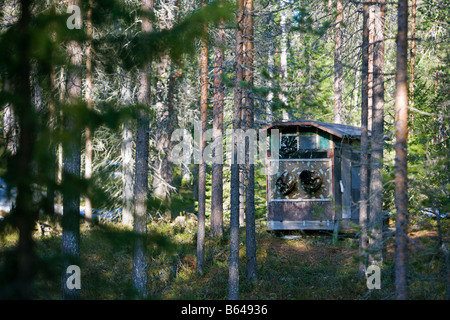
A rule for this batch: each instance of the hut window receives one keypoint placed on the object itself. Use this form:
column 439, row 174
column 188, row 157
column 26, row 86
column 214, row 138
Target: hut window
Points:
column 289, row 144
column 355, row 178
column 308, row 142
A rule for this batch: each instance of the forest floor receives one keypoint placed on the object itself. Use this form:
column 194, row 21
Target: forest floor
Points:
column 306, row 265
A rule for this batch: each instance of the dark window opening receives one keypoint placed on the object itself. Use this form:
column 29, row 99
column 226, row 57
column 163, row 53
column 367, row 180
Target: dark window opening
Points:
column 308, row 142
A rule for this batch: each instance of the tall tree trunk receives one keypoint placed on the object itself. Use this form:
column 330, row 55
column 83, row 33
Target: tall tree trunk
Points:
column 172, row 121
column 54, row 125
column 401, row 134
column 162, row 177
column 141, row 171
column 364, row 186
column 72, row 170
column 233, row 279
column 371, row 26
column 163, row 172
column 217, row 166
column 88, row 97
column 249, row 166
column 377, row 143
column 127, row 157
column 25, row 213
column 270, row 65
column 338, row 74
column 50, row 197
column 240, row 76
column 412, row 62
column 202, row 165
column 140, row 191
column 283, row 57
column 59, row 150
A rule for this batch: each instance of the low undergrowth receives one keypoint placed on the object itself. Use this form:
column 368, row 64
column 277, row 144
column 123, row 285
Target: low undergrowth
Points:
column 305, row 266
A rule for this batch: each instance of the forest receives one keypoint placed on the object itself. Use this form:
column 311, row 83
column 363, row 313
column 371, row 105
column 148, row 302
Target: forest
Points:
column 139, row 140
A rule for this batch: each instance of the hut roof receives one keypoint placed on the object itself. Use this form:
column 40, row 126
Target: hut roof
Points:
column 339, row 130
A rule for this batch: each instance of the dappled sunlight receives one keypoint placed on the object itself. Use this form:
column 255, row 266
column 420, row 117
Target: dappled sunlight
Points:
column 293, row 265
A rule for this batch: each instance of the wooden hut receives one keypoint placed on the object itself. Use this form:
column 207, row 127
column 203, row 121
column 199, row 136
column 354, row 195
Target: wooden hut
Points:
column 316, row 184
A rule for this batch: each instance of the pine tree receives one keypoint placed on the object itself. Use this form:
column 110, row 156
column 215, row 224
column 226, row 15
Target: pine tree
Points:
column 163, row 166
column 218, row 110
column 363, row 205
column 233, row 280
column 401, row 162
column 25, row 213
column 248, row 120
column 338, row 68
column 72, row 166
column 127, row 155
column 377, row 138
column 141, row 170
column 202, row 165
column 88, row 97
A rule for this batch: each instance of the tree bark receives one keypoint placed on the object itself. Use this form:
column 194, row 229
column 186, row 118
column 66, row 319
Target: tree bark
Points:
column 377, row 142
column 59, row 151
column 162, row 177
column 283, row 58
column 88, row 97
column 249, row 166
column 270, row 65
column 72, row 170
column 50, row 197
column 363, row 205
column 217, row 166
column 401, row 171
column 371, row 26
column 233, row 279
column 163, row 172
column 127, row 158
column 412, row 62
column 141, row 172
column 202, row 165
column 25, row 213
column 338, row 74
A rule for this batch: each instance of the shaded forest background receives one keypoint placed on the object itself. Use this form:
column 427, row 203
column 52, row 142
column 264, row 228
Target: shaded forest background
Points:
column 80, row 105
